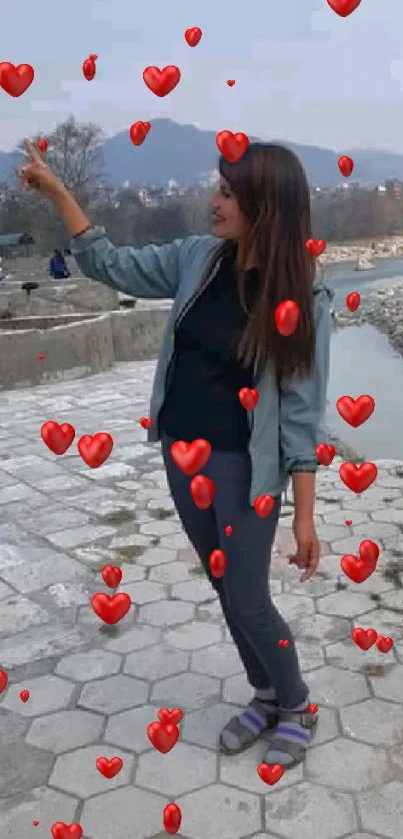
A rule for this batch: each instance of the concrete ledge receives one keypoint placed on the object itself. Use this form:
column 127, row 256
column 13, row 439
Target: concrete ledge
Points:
column 77, row 349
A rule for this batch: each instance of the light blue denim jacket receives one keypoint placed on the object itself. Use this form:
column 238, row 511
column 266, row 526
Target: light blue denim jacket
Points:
column 286, row 423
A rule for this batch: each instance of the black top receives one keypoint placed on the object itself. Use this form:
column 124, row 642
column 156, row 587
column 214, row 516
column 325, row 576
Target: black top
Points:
column 205, row 377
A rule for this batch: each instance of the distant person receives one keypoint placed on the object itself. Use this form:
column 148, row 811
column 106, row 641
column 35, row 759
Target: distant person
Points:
column 222, row 337
column 58, row 268
column 1, row 270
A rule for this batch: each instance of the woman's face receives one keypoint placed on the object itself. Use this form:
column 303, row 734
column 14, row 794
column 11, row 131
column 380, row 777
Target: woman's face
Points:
column 228, row 221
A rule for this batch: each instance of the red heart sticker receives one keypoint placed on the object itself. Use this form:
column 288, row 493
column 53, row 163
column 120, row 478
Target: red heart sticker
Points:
column 270, row 774
column 138, row 133
column 248, row 397
column 315, row 246
column 230, row 82
column 344, row 8
column 346, row 165
column 3, row 680
column 358, row 478
column 348, row 522
column 192, row 36
column 217, row 563
column 287, row 316
column 42, row 145
column 364, row 638
column 15, row 80
column 175, row 716
column 313, row 708
column 58, row 438
column 283, row 642
column 353, row 301
column 112, row 576
column 228, row 530
column 384, row 643
column 60, row 830
column 163, row 737
column 162, row 82
column 263, row 505
column 94, row 450
column 190, row 457
column 355, row 411
column 24, row 695
column 232, row 146
column 172, row 818
column 109, row 768
column 360, row 569
column 325, row 453
column 89, row 68
column 202, row 490
column 111, row 608
column 145, row 422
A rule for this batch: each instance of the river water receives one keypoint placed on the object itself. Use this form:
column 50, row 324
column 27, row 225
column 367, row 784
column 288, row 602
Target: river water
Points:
column 362, row 361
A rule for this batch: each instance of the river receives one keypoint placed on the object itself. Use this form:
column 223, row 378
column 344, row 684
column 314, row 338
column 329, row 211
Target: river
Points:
column 362, row 361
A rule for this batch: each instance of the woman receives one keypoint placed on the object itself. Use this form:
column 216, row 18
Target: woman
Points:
column 221, row 337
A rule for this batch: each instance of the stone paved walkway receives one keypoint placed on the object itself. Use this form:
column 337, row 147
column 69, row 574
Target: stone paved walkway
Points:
column 94, row 689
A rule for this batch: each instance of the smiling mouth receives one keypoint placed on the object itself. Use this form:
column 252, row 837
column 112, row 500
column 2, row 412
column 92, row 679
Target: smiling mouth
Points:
column 217, row 219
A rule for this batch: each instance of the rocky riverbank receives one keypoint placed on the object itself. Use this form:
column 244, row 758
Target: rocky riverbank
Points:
column 382, row 309
column 368, row 251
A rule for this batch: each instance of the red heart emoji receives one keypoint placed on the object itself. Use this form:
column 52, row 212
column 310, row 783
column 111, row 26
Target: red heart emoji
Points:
column 94, row 450
column 16, row 80
column 146, row 422
column 217, row 563
column 346, row 165
column 174, row 717
column 193, row 36
column 60, row 830
column 58, row 438
column 325, row 453
column 89, row 69
column 138, row 132
column 348, row 522
column 42, row 145
column 353, row 301
column 202, row 490
column 172, row 818
column 24, row 695
column 263, row 505
column 248, row 397
column 315, row 246
column 228, row 530
column 109, row 768
column 344, row 7
column 287, row 317
column 355, row 411
column 35, row 823
column 230, row 82
column 384, row 643
column 364, row 638
column 111, row 608
column 3, row 680
column 283, row 642
column 162, row 82
column 190, row 457
column 163, row 737
column 360, row 569
column 313, row 708
column 232, row 146
column 40, row 356
column 270, row 774
column 358, row 478
column 112, row 576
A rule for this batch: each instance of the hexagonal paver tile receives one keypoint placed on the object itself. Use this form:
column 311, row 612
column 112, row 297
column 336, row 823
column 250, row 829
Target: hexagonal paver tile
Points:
column 331, row 686
column 220, row 811
column 321, row 628
column 116, row 693
column 129, row 729
column 328, row 726
column 195, row 591
column 76, row 772
column 385, row 622
column 145, row 592
column 347, row 765
column 390, row 685
column 47, row 693
column 184, row 769
column 293, row 812
column 382, row 810
column 237, row 690
column 187, row 691
column 156, row 556
column 221, row 660
column 95, row 664
column 119, row 813
column 134, row 639
column 243, row 773
column 22, row 768
column 310, row 654
column 292, row 606
column 157, row 662
column 345, row 604
column 194, row 636
column 203, row 727
column 65, row 730
column 170, row 572
column 166, row 613
column 373, row 721
column 42, row 804
column 346, row 654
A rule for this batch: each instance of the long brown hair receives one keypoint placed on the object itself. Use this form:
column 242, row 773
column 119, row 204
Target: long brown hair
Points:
column 272, row 191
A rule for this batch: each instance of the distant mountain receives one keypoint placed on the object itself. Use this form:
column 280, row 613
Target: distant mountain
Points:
column 184, row 153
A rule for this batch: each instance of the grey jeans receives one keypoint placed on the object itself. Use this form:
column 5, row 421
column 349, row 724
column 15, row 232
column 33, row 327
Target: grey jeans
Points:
column 253, row 620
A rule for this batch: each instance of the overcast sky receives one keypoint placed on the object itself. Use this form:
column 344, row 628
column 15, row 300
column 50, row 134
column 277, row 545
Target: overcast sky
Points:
column 302, row 73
